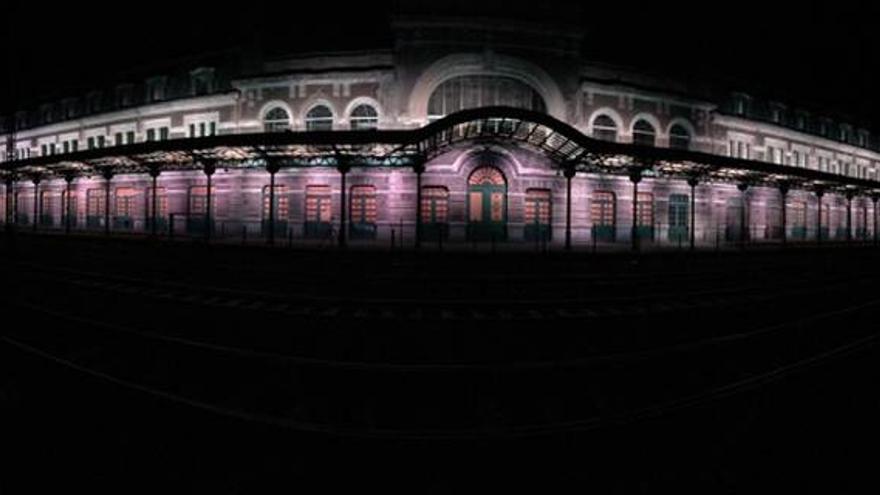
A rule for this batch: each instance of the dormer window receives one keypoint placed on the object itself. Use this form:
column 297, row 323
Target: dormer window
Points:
column 21, row 120
column 823, row 127
column 70, row 108
column 801, row 121
column 94, row 102
column 156, row 88
column 740, row 104
column 123, row 95
column 862, row 138
column 46, row 114
column 844, row 133
column 202, row 80
column 777, row 113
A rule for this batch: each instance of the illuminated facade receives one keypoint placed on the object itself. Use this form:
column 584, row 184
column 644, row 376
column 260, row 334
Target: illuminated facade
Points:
column 617, row 158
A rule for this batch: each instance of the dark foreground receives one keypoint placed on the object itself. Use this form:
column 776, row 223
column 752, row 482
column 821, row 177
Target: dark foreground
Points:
column 136, row 367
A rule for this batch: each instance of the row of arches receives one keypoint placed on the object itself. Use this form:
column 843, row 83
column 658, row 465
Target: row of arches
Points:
column 607, row 126
column 277, row 117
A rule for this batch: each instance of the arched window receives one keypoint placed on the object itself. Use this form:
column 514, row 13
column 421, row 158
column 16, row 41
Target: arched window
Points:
column 364, row 117
column 644, row 133
column 276, row 120
column 679, row 137
column 319, row 118
column 605, row 128
column 465, row 92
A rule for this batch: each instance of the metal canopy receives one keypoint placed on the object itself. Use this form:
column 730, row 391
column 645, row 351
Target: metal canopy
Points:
column 566, row 146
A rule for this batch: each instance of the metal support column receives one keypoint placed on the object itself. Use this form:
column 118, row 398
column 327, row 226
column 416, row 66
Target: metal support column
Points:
column 570, row 173
column 849, row 200
column 154, row 206
column 272, row 167
column 37, row 203
column 783, row 192
column 343, row 169
column 693, row 182
column 68, row 178
column 107, row 173
column 819, row 194
column 874, row 199
column 209, row 168
column 635, row 176
column 743, row 214
column 419, row 169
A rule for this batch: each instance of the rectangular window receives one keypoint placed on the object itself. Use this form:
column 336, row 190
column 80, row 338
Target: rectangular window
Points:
column 47, row 207
column 319, row 211
column 645, row 214
column 602, row 208
column 202, row 129
column 68, row 206
column 602, row 214
column 476, row 207
column 96, row 203
column 151, row 135
column 679, row 209
column 125, row 201
column 129, row 137
column 435, row 205
column 192, row 130
column 100, row 141
column 66, row 146
column 537, row 211
column 161, row 202
column 363, row 204
column 163, row 133
column 282, row 204
column 198, row 201
column 118, row 139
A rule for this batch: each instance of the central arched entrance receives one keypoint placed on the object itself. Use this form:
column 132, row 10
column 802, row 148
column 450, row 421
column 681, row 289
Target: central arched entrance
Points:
column 487, row 205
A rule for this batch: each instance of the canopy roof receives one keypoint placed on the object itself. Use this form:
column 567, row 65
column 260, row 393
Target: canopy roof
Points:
column 567, row 147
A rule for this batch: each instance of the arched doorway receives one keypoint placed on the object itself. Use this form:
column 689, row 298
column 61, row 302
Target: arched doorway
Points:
column 487, row 205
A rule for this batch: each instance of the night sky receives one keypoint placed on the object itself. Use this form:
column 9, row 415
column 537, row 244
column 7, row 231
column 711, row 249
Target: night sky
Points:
column 820, row 56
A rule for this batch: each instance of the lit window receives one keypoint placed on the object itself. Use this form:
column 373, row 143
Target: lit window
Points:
column 68, row 206
column 679, row 208
column 161, row 202
column 319, row 118
column 604, row 128
column 602, row 214
column 319, row 211
column 282, row 203
column 537, row 205
column 645, row 212
column 363, row 211
column 364, row 117
column 435, row 205
column 644, row 133
column 466, row 92
column 198, row 201
column 679, row 137
column 125, row 201
column 95, row 202
column 276, row 120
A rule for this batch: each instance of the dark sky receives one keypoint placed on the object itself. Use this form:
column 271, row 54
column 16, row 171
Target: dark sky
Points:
column 822, row 54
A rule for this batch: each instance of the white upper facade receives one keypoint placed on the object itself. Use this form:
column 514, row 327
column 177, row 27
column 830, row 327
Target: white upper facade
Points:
column 431, row 73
